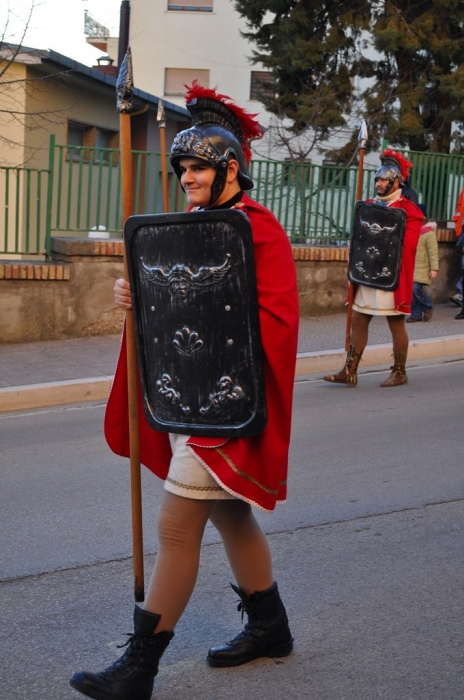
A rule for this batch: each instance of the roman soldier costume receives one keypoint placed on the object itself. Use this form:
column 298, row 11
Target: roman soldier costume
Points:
column 252, row 468
column 386, row 232
column 242, row 462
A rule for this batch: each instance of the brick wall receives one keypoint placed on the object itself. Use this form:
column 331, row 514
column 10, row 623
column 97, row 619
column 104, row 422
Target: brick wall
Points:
column 72, row 295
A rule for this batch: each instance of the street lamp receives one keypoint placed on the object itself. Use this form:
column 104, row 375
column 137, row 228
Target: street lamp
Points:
column 105, row 62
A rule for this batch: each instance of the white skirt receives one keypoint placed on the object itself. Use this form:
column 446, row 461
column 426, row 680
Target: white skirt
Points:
column 375, row 302
column 188, row 477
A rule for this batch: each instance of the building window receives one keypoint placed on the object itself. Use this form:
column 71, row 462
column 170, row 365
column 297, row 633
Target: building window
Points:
column 104, row 138
column 94, row 138
column 175, row 80
column 262, row 85
column 192, row 6
column 76, row 134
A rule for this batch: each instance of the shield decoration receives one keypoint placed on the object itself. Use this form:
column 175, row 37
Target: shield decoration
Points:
column 376, row 245
column 194, row 297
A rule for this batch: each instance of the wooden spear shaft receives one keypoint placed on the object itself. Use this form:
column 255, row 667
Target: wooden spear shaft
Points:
column 124, row 91
column 161, row 118
column 362, row 140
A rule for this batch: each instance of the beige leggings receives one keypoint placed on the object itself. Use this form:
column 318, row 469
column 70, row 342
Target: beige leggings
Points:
column 360, row 332
column 181, row 525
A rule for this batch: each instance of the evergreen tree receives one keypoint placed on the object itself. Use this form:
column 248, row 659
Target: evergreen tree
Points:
column 419, row 80
column 316, row 48
column 310, row 48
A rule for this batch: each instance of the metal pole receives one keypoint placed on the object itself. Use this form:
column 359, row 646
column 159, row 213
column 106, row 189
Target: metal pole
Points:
column 362, row 141
column 51, row 173
column 161, row 118
column 124, row 25
column 124, row 90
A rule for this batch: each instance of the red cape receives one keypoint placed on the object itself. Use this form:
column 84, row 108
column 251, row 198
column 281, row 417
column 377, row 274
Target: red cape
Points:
column 252, row 468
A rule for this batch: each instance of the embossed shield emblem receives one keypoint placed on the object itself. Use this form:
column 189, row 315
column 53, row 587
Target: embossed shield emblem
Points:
column 195, row 307
column 376, row 246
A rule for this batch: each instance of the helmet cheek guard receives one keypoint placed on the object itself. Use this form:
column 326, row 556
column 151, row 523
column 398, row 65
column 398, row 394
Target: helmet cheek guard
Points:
column 219, row 181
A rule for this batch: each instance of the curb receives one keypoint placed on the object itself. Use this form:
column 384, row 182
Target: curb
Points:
column 30, row 396
column 373, row 355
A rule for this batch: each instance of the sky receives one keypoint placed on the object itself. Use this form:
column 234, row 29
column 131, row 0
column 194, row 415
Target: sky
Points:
column 57, row 25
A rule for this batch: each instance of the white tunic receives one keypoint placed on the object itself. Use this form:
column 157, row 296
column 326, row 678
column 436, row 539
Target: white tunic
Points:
column 188, row 477
column 375, row 302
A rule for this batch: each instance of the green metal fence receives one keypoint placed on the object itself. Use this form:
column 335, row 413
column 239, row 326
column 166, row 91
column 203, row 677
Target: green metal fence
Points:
column 87, row 188
column 80, row 191
column 314, row 203
column 438, row 179
column 23, row 210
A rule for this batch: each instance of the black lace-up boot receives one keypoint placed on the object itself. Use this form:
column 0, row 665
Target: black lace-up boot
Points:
column 265, row 634
column 132, row 676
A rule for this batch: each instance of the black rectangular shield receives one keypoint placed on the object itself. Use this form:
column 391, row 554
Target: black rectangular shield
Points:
column 376, row 245
column 194, row 297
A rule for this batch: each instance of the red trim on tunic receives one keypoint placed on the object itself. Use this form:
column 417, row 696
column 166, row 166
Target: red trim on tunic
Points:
column 254, row 468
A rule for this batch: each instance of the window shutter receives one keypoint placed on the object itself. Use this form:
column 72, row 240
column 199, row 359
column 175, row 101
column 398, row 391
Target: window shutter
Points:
column 175, row 79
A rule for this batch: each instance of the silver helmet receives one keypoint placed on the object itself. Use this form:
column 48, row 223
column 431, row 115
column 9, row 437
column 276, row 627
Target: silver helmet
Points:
column 390, row 173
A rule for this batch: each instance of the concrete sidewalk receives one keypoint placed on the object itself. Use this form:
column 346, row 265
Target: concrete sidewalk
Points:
column 49, row 373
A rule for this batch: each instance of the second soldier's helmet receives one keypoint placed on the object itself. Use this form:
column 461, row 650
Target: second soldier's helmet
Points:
column 397, row 161
column 221, row 131
column 388, row 172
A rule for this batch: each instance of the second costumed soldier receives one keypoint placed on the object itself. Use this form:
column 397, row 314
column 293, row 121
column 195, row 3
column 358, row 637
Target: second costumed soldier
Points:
column 394, row 305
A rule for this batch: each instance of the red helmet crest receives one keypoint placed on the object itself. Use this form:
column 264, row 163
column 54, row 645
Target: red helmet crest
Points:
column 389, row 157
column 211, row 106
column 221, row 130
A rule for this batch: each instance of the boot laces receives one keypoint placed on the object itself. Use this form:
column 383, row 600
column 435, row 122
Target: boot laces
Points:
column 246, row 606
column 135, row 647
column 251, row 627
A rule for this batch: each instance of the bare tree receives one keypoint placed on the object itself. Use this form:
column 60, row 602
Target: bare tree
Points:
column 16, row 91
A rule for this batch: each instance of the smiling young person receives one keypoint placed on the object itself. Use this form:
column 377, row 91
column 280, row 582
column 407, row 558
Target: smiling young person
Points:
column 205, row 478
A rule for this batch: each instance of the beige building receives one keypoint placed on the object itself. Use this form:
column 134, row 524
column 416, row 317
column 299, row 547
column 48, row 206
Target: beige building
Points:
column 47, row 94
column 43, row 92
column 49, row 106
column 173, row 43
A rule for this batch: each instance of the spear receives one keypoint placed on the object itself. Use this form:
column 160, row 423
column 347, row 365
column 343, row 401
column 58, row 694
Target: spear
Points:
column 124, row 92
column 362, row 142
column 161, row 118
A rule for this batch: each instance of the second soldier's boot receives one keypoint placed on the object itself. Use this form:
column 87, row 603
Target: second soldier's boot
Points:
column 398, row 371
column 349, row 374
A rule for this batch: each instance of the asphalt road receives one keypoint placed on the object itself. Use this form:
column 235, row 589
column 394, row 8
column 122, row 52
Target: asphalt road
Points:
column 368, row 552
